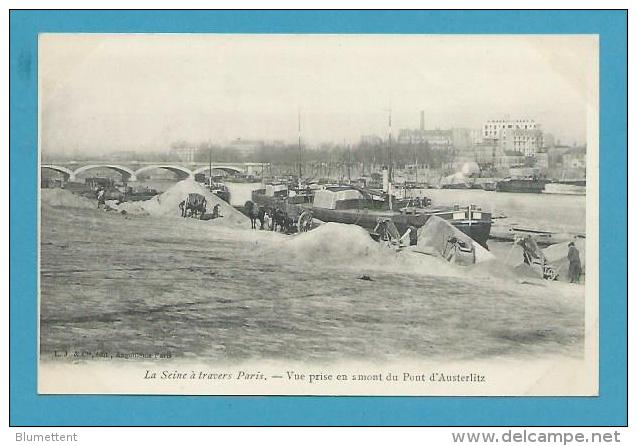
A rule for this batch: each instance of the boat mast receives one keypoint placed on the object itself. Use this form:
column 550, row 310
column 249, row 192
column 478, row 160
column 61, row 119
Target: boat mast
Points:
column 300, row 152
column 416, row 182
column 210, row 165
column 413, row 146
column 349, row 163
column 390, row 167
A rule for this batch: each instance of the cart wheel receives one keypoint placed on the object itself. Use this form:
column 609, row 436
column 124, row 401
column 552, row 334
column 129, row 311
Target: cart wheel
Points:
column 305, row 221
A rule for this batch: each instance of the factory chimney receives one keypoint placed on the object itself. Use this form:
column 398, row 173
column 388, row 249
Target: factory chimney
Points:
column 422, row 120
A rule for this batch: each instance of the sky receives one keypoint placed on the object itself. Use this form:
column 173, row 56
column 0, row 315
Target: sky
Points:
column 102, row 93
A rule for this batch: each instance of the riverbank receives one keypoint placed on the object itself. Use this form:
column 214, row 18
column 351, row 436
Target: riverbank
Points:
column 132, row 283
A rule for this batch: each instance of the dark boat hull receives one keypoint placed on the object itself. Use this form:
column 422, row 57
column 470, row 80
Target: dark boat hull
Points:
column 476, row 228
column 521, row 186
column 455, row 186
column 573, row 182
column 478, row 231
column 224, row 195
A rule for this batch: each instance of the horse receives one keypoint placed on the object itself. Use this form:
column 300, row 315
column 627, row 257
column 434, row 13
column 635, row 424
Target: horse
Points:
column 261, row 216
column 196, row 204
column 252, row 210
column 281, row 220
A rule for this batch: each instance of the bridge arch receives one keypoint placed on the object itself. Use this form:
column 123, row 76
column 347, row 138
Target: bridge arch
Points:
column 228, row 169
column 69, row 175
column 127, row 174
column 181, row 172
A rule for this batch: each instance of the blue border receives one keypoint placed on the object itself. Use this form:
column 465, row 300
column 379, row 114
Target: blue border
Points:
column 610, row 408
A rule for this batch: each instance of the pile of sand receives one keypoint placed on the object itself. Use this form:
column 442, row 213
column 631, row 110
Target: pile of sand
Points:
column 65, row 198
column 351, row 247
column 167, row 204
column 333, row 241
column 433, row 236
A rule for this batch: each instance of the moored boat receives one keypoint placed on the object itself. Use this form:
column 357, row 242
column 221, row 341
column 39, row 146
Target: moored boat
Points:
column 220, row 190
column 455, row 186
column 351, row 205
column 489, row 186
column 565, row 189
column 139, row 194
column 531, row 185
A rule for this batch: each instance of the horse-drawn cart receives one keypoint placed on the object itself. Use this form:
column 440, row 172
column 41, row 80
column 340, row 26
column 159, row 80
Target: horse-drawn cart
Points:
column 300, row 218
column 279, row 215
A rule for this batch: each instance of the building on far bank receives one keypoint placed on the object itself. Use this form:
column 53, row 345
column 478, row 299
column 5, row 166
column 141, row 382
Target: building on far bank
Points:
column 123, row 155
column 437, row 139
column 476, row 136
column 184, row 154
column 245, row 147
column 548, row 140
column 371, row 140
column 486, row 153
column 494, row 127
column 461, row 138
column 521, row 136
column 542, row 160
column 509, row 160
column 525, row 141
column 574, row 160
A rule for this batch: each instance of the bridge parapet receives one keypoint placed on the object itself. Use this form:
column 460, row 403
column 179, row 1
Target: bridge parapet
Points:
column 69, row 175
column 131, row 169
column 127, row 173
column 180, row 171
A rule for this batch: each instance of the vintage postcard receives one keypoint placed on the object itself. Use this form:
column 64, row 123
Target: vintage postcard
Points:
column 261, row 214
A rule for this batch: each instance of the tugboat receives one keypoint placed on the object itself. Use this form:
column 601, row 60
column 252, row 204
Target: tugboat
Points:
column 214, row 185
column 489, row 185
column 523, row 180
column 531, row 185
column 220, row 190
column 455, row 181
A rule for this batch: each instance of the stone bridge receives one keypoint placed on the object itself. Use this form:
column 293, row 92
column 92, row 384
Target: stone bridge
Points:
column 132, row 169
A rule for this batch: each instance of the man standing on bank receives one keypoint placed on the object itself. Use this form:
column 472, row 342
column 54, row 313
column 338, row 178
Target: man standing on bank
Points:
column 101, row 198
column 574, row 266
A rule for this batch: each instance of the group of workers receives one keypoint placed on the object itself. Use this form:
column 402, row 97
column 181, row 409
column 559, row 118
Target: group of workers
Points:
column 533, row 255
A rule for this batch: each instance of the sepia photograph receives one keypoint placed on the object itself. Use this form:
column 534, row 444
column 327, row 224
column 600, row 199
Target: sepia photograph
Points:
column 318, row 214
